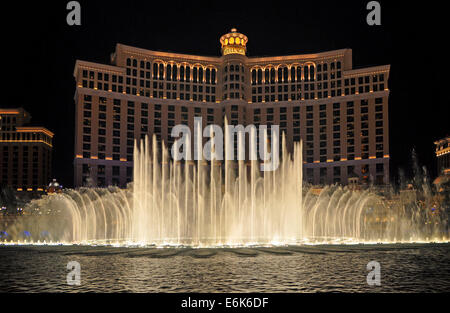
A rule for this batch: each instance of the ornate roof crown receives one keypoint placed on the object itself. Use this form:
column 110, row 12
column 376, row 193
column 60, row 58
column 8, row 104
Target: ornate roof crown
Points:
column 234, row 43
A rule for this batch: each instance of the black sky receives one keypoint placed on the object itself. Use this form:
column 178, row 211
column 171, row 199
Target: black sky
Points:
column 40, row 50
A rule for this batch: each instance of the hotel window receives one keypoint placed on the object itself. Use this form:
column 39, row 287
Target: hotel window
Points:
column 213, row 76
column 200, row 75
column 160, row 71
column 374, row 78
column 379, row 167
column 323, row 174
column 336, row 172
column 116, row 170
column 259, row 76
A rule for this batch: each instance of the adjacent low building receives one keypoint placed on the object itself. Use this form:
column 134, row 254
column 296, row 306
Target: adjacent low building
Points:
column 339, row 112
column 443, row 155
column 25, row 152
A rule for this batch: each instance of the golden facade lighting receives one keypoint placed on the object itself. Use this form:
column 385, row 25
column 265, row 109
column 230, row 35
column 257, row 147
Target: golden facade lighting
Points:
column 12, row 112
column 234, row 43
column 34, row 130
column 443, row 151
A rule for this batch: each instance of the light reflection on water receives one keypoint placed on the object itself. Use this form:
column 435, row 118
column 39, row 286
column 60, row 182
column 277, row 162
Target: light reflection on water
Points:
column 329, row 268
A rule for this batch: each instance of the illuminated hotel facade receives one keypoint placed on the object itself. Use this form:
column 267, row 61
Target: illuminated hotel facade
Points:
column 443, row 155
column 340, row 113
column 25, row 152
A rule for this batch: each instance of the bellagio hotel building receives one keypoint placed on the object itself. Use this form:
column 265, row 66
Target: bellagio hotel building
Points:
column 340, row 113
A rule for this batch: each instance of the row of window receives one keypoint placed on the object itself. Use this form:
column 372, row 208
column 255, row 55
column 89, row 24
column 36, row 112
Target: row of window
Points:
column 335, row 173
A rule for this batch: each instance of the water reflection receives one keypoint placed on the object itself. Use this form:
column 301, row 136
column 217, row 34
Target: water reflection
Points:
column 405, row 268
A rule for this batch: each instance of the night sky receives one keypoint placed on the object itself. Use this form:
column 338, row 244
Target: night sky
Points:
column 41, row 50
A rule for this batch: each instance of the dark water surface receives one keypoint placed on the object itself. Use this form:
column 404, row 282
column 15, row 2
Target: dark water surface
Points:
column 325, row 268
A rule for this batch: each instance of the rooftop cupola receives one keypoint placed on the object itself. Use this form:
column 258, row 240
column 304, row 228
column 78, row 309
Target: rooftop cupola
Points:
column 234, row 43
